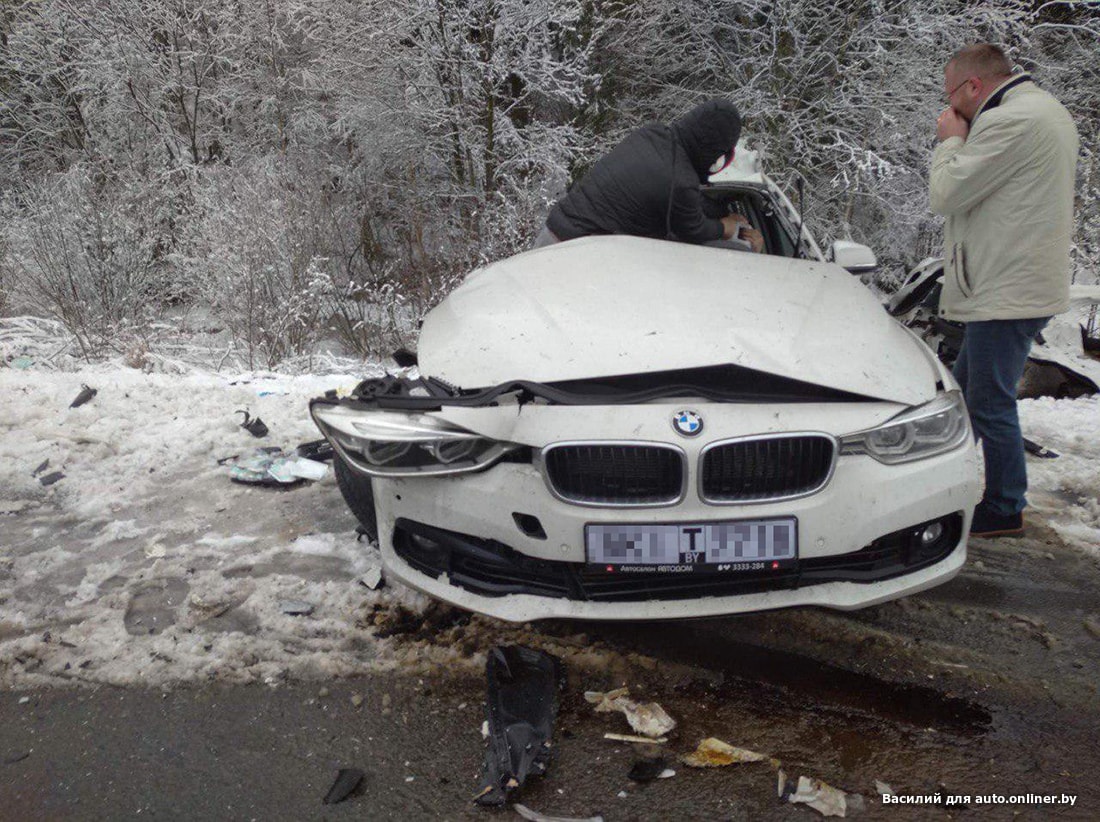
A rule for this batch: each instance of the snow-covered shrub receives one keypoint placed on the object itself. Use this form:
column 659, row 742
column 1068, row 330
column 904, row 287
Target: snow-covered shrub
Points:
column 94, row 251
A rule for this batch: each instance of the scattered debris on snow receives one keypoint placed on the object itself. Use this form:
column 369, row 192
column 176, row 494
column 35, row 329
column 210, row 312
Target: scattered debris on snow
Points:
column 372, row 579
column 296, row 607
column 274, row 467
column 648, row 718
column 253, row 425
column 85, row 395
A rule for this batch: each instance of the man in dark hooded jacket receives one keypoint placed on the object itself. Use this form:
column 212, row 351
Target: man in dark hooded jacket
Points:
column 648, row 185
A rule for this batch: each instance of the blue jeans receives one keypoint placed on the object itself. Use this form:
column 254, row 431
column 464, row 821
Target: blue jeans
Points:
column 989, row 366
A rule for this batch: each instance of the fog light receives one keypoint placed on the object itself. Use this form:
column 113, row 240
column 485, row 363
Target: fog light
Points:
column 931, row 534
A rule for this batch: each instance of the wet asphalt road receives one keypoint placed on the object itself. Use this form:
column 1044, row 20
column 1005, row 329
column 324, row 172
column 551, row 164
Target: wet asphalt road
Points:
column 985, row 686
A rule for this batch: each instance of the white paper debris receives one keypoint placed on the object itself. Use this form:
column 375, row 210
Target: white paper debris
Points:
column 535, row 816
column 646, row 718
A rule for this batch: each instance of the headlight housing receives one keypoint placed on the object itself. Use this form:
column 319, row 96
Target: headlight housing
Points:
column 925, row 431
column 396, row 444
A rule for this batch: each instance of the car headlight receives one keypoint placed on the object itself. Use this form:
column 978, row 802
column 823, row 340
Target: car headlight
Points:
column 924, row 431
column 394, row 444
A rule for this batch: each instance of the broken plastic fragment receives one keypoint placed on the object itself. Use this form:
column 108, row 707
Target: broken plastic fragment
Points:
column 288, row 469
column 22, row 363
column 646, row 770
column 273, row 467
column 86, row 393
column 646, row 718
column 645, row 740
column 296, row 607
column 822, row 797
column 42, row 467
column 320, row 450
column 535, row 816
column 51, row 478
column 253, row 425
column 714, row 753
column 372, row 579
column 521, row 704
column 1040, row 451
column 347, row 780
column 883, row 789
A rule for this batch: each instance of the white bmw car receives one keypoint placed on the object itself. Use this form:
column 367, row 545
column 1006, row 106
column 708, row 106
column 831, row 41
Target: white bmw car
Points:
column 624, row 428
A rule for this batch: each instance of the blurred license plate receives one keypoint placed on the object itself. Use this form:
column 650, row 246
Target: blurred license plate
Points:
column 739, row 545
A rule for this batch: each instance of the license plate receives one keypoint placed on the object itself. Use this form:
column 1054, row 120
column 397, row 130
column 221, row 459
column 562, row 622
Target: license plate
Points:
column 738, row 545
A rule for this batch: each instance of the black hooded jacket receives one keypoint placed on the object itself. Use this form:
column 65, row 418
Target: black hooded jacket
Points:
column 627, row 191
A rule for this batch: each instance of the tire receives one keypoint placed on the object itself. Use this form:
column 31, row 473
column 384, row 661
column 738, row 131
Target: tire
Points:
column 358, row 494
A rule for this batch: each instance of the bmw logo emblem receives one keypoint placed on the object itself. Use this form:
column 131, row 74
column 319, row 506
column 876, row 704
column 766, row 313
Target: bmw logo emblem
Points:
column 687, row 423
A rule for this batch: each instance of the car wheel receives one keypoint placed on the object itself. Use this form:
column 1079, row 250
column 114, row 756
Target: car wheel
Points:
column 358, row 494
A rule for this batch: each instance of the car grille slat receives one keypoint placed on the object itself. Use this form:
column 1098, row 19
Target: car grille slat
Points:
column 763, row 469
column 613, row 474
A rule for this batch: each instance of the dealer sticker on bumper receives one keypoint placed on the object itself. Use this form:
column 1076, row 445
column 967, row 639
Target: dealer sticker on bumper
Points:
column 740, row 545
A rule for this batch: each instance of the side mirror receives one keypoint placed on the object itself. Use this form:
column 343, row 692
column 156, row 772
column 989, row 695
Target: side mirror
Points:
column 856, row 258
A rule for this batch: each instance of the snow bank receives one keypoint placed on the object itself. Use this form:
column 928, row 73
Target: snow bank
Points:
column 145, row 563
column 1066, row 491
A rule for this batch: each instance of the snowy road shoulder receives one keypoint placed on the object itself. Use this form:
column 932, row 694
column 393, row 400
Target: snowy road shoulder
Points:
column 144, row 563
column 1066, row 491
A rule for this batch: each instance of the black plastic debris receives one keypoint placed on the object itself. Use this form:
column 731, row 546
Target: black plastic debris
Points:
column 253, row 425
column 1040, row 451
column 18, row 756
column 646, row 770
column 405, row 358
column 51, row 478
column 320, row 450
column 347, row 780
column 296, row 607
column 521, row 705
column 86, row 393
column 42, row 467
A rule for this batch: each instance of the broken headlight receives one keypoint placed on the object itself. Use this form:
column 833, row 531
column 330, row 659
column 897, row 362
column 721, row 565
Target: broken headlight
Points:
column 924, row 431
column 395, row 444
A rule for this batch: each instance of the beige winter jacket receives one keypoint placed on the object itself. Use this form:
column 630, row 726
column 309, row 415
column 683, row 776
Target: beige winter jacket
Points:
column 1007, row 193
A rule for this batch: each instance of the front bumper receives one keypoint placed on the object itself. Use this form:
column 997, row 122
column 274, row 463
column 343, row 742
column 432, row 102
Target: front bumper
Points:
column 863, row 503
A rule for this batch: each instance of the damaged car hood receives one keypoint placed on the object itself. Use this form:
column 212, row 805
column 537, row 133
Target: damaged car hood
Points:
column 608, row 306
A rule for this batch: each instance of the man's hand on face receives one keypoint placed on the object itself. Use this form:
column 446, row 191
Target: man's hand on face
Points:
column 951, row 124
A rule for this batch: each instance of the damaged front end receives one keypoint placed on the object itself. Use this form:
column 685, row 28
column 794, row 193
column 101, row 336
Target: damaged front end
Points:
column 388, row 428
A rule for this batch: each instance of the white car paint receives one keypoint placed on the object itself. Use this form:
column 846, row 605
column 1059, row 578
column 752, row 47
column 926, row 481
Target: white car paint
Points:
column 605, row 306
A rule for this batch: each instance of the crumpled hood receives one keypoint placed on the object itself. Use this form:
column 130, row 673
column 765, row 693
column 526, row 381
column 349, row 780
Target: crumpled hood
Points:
column 615, row 305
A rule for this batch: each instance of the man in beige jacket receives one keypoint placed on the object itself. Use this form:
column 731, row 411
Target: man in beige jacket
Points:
column 1003, row 177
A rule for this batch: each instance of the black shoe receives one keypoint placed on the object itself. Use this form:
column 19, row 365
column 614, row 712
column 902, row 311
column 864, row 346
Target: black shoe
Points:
column 988, row 523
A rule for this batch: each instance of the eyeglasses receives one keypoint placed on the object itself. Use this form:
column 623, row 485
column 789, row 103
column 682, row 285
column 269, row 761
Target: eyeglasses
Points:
column 951, row 93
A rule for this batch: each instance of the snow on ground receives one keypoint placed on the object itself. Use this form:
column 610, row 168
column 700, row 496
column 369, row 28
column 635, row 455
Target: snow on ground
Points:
column 1066, row 491
column 145, row 563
